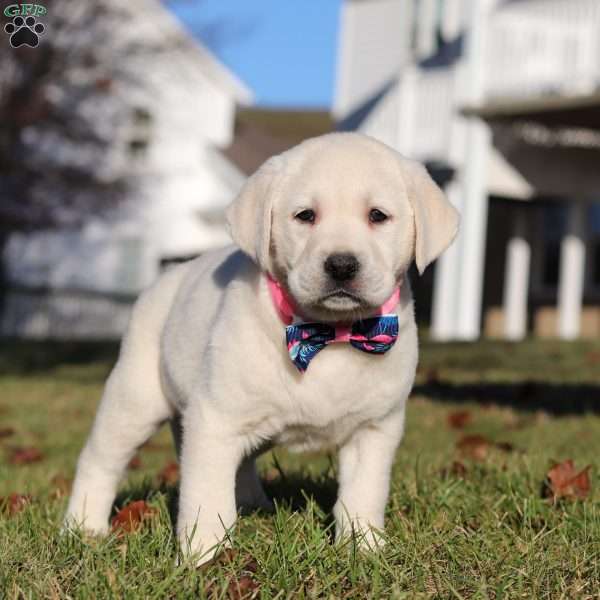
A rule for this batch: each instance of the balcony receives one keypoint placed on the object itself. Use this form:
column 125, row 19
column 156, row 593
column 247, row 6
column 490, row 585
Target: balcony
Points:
column 542, row 49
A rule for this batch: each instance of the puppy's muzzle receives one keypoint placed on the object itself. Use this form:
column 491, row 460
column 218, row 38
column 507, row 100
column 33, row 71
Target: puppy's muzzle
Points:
column 341, row 267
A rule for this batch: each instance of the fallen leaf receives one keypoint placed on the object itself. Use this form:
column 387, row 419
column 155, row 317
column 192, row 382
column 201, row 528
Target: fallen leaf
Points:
column 474, row 446
column 242, row 587
column 477, row 446
column 6, row 432
column 135, row 463
column 459, row 419
column 25, row 456
column 169, row 475
column 565, row 482
column 14, row 503
column 131, row 516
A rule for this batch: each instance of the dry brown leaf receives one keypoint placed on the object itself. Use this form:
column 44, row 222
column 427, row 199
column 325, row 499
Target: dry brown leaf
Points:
column 477, row 446
column 131, row 516
column 25, row 456
column 135, row 463
column 565, row 482
column 459, row 419
column 14, row 503
column 242, row 588
column 474, row 446
column 169, row 475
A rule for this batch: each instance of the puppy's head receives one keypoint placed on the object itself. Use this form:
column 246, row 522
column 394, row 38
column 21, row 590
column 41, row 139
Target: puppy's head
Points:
column 338, row 221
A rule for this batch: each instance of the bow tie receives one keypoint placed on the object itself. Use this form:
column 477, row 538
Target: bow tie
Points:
column 374, row 335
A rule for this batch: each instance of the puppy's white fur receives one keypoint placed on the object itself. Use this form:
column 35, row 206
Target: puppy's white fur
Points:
column 205, row 347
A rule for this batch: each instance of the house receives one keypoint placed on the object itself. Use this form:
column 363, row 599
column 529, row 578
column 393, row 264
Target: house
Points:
column 180, row 109
column 501, row 100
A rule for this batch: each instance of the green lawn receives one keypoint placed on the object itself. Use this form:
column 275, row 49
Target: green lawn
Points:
column 456, row 527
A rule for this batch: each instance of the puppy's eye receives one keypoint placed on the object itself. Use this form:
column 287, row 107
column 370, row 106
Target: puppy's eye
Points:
column 306, row 216
column 377, row 216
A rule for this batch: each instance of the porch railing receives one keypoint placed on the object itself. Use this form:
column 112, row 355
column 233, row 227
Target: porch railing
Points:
column 543, row 48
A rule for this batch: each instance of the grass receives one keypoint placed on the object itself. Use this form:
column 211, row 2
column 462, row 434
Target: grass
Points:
column 482, row 532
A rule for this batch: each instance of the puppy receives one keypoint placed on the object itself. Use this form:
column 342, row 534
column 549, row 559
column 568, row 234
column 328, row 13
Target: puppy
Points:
column 302, row 335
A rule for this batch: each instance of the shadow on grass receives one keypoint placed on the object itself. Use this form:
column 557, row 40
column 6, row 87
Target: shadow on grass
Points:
column 530, row 360
column 18, row 357
column 529, row 396
column 292, row 491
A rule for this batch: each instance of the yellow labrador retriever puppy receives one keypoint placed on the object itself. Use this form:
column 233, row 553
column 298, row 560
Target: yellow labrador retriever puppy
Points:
column 302, row 335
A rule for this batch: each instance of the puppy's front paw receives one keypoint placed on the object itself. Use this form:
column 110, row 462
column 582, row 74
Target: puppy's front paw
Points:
column 72, row 523
column 200, row 548
column 367, row 532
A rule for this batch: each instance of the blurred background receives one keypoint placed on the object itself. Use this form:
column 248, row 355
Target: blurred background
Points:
column 129, row 128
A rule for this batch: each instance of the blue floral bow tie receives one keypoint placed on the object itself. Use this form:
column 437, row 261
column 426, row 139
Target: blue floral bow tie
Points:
column 374, row 335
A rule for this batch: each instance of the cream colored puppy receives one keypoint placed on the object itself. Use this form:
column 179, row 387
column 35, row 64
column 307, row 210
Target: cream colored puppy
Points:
column 337, row 222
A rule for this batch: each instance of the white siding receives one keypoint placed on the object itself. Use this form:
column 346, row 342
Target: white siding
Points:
column 374, row 44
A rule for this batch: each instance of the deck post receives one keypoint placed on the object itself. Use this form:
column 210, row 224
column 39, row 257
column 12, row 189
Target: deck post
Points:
column 474, row 163
column 572, row 273
column 516, row 279
column 445, row 281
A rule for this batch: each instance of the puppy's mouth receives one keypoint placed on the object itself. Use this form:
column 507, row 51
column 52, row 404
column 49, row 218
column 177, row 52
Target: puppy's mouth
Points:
column 341, row 299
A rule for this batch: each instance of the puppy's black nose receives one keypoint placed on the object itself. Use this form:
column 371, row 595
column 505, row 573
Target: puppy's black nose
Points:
column 341, row 267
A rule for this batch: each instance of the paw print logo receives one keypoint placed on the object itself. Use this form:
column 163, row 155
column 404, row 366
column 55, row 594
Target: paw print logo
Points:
column 24, row 32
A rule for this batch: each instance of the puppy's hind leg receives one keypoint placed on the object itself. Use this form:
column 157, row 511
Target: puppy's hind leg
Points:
column 130, row 412
column 132, row 408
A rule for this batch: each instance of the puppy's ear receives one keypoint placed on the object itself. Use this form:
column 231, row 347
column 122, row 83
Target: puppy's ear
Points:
column 249, row 215
column 436, row 220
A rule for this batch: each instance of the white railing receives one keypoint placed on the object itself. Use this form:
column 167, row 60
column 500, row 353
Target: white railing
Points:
column 543, row 48
column 431, row 119
column 415, row 116
column 532, row 48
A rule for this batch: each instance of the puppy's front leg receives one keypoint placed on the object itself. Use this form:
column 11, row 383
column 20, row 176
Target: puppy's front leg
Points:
column 365, row 464
column 207, row 509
